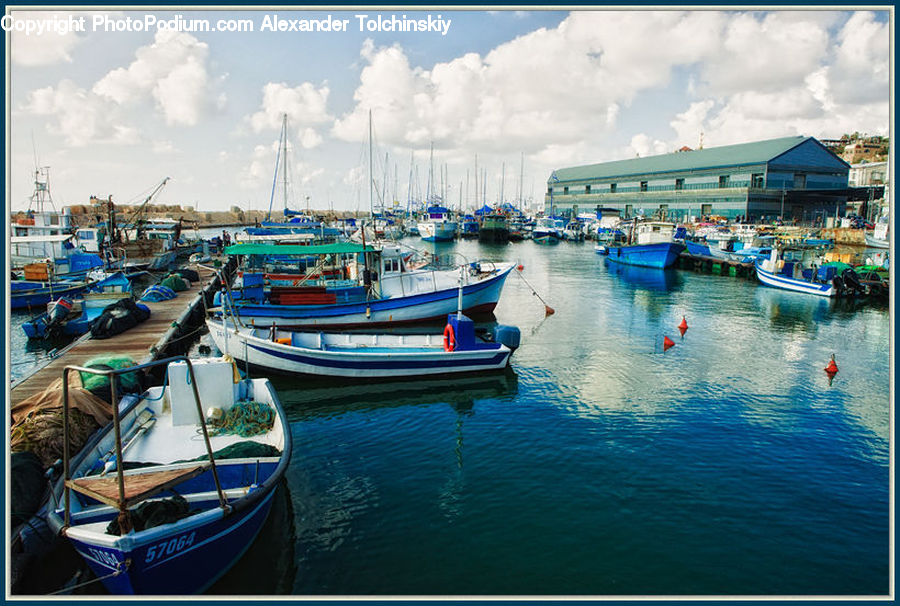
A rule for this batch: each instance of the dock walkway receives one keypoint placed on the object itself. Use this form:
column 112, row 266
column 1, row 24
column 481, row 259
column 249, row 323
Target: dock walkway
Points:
column 143, row 343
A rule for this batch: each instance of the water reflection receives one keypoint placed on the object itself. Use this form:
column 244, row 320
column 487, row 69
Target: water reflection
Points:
column 648, row 278
column 268, row 567
column 320, row 398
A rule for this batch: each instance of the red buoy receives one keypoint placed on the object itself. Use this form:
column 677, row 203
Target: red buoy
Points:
column 682, row 328
column 832, row 368
column 520, row 267
column 667, row 343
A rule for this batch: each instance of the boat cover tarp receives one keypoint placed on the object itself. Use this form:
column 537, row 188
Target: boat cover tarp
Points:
column 27, row 486
column 297, row 249
column 158, row 293
column 175, row 282
column 37, row 421
column 118, row 317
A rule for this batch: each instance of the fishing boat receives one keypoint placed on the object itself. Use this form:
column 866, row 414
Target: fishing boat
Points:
column 878, row 238
column 213, row 472
column 468, row 227
column 26, row 294
column 795, row 270
column 73, row 316
column 697, row 248
column 494, row 228
column 548, row 230
column 574, row 231
column 651, row 246
column 371, row 355
column 354, row 285
column 437, row 224
column 607, row 238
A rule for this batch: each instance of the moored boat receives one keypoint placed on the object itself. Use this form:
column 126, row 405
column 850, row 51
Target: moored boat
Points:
column 372, row 355
column 652, row 246
column 795, row 271
column 223, row 473
column 548, row 230
column 374, row 287
column 437, row 224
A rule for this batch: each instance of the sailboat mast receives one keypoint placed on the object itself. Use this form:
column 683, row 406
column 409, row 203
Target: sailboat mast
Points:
column 521, row 174
column 502, row 180
column 371, row 183
column 284, row 175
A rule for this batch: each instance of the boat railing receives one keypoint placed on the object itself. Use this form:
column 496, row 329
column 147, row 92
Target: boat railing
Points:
column 122, row 501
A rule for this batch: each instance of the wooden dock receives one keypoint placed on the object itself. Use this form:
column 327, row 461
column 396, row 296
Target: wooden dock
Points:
column 143, row 343
column 717, row 266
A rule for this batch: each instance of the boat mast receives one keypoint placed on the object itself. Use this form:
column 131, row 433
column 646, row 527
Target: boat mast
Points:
column 284, row 159
column 521, row 174
column 371, row 182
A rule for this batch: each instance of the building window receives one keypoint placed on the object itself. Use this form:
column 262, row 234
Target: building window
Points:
column 566, row 189
column 723, row 181
column 612, row 188
column 587, row 189
column 629, row 209
column 679, row 184
column 550, row 190
column 756, row 181
column 799, row 181
column 643, row 186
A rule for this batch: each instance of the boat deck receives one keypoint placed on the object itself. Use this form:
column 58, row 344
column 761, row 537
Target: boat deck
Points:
column 141, row 343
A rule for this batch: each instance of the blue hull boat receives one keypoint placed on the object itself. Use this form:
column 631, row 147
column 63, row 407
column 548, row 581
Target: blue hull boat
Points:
column 25, row 294
column 696, row 249
column 223, row 478
column 659, row 255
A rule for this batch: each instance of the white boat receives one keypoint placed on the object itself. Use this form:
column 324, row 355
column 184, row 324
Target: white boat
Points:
column 437, row 224
column 347, row 287
column 879, row 236
column 373, row 355
column 785, row 270
column 168, row 447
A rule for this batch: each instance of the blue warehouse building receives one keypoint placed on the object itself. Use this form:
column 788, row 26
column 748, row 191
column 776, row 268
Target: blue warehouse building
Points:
column 796, row 178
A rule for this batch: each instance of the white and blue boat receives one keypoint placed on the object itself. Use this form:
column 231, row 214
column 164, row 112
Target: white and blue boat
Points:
column 548, row 230
column 787, row 270
column 437, row 224
column 371, row 355
column 376, row 288
column 218, row 485
column 26, row 294
column 653, row 246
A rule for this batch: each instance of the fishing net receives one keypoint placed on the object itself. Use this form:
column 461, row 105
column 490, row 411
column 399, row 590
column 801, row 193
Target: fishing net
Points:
column 246, row 419
column 243, row 450
column 129, row 382
column 154, row 513
column 175, row 282
column 42, row 434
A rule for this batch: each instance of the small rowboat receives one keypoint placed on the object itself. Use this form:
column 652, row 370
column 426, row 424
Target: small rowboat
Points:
column 214, row 479
column 366, row 355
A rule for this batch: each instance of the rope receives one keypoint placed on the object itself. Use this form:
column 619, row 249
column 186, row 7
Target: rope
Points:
column 548, row 311
column 119, row 570
column 246, row 419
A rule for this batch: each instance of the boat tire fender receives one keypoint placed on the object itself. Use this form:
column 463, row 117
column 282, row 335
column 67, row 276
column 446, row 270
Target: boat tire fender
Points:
column 449, row 338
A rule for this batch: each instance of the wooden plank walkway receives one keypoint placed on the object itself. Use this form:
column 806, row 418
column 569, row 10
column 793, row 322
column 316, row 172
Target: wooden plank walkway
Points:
column 140, row 343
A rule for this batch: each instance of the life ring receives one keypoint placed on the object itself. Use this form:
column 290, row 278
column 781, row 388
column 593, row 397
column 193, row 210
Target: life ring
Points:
column 449, row 338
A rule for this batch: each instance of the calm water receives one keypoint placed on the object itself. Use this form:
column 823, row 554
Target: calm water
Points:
column 597, row 464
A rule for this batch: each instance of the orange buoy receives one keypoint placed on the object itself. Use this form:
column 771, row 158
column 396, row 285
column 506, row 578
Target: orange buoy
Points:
column 667, row 343
column 520, row 267
column 682, row 328
column 832, row 368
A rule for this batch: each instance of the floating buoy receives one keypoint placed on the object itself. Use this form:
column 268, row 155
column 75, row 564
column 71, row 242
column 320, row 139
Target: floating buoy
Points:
column 832, row 368
column 682, row 328
column 520, row 267
column 667, row 343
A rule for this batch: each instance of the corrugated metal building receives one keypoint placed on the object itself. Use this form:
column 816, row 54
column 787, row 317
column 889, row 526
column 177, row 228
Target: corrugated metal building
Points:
column 792, row 177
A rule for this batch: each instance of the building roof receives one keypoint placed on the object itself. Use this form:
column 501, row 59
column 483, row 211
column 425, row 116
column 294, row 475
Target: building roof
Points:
column 758, row 152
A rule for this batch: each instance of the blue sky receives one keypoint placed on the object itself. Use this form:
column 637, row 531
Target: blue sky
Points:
column 113, row 113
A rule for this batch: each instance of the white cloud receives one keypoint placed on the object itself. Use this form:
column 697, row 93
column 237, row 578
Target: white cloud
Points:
column 305, row 106
column 51, row 46
column 643, row 145
column 82, row 118
column 173, row 70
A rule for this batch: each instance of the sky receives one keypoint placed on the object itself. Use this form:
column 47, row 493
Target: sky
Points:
column 138, row 96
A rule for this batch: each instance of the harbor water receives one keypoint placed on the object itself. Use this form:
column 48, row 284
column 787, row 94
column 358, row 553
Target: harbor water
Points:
column 599, row 464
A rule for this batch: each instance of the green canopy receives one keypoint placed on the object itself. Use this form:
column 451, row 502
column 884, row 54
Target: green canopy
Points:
column 298, row 249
